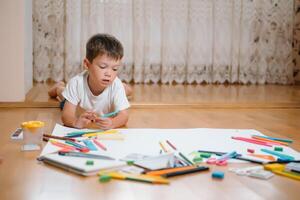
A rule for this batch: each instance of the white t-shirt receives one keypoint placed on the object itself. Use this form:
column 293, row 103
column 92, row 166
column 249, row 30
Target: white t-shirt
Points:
column 113, row 98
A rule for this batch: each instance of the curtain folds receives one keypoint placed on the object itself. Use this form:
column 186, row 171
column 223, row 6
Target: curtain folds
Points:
column 167, row 41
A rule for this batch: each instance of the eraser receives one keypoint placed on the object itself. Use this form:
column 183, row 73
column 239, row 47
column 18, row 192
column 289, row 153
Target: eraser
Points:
column 104, row 178
column 250, row 150
column 261, row 174
column 217, row 174
column 130, row 162
column 89, row 162
column 205, row 155
column 278, row 148
column 197, row 159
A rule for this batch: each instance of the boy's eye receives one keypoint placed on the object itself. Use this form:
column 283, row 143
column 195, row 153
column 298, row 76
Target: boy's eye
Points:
column 102, row 66
column 115, row 69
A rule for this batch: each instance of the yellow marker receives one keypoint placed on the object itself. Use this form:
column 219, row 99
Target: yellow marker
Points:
column 100, row 133
column 279, row 169
column 141, row 178
column 287, row 174
column 275, row 166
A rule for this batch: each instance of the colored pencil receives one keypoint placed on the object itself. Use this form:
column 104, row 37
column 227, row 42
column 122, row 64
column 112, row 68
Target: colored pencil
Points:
column 163, row 148
column 171, row 145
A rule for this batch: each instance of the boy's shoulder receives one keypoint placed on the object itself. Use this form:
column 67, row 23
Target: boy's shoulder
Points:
column 79, row 77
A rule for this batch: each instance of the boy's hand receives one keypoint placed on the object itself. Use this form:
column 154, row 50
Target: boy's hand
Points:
column 104, row 123
column 85, row 119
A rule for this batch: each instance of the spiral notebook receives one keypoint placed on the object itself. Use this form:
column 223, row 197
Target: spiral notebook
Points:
column 79, row 165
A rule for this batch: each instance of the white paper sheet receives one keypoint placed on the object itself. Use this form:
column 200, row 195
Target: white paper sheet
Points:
column 146, row 141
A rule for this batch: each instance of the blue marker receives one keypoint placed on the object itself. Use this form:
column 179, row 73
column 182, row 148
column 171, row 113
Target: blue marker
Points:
column 110, row 114
column 90, row 145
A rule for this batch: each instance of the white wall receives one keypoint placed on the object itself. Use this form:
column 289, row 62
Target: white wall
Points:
column 15, row 49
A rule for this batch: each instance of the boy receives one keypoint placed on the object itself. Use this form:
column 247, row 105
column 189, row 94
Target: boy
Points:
column 97, row 90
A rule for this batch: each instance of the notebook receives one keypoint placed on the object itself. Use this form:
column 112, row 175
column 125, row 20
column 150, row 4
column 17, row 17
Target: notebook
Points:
column 78, row 164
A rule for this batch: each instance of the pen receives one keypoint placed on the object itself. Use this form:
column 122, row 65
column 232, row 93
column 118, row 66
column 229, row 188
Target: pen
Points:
column 85, row 155
column 180, row 154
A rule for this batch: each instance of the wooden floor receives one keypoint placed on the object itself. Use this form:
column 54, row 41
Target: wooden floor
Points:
column 272, row 110
column 192, row 96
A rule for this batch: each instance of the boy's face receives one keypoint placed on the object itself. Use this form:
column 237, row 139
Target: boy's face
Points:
column 102, row 71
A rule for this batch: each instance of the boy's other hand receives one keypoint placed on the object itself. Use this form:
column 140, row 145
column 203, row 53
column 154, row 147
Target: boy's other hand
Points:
column 104, row 123
column 85, row 119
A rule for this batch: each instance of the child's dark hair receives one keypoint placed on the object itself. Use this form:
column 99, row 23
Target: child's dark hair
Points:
column 103, row 44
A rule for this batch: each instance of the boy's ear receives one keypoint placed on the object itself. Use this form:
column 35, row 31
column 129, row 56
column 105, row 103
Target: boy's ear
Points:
column 86, row 63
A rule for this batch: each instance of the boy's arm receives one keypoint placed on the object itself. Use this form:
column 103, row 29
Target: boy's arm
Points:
column 69, row 114
column 121, row 119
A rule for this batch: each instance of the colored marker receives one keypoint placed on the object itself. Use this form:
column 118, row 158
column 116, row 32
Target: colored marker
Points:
column 110, row 114
column 78, row 146
column 140, row 178
column 99, row 144
column 187, row 171
column 280, row 155
column 253, row 141
column 62, row 145
column 80, row 133
column 277, row 139
column 270, row 141
column 90, row 145
column 169, row 170
column 228, row 156
column 100, row 133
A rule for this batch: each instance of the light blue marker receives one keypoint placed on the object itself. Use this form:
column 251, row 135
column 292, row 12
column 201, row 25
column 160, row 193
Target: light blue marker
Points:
column 110, row 114
column 280, row 155
column 228, row 155
column 90, row 145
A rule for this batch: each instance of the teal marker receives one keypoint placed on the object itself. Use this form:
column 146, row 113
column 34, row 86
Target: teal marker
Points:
column 110, row 114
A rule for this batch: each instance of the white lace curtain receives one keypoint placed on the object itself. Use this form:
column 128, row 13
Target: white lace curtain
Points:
column 182, row 41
